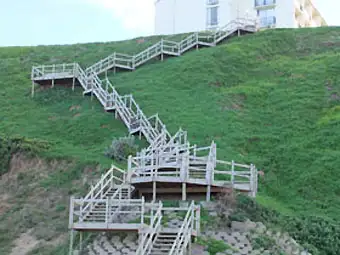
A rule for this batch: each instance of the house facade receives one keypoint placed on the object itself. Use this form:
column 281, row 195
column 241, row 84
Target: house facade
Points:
column 181, row 16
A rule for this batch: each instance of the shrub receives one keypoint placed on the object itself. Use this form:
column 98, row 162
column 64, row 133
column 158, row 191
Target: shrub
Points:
column 12, row 145
column 121, row 148
column 263, row 241
column 316, row 234
column 214, row 246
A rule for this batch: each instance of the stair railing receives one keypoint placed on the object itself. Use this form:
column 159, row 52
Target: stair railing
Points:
column 152, row 230
column 188, row 42
column 184, row 234
column 99, row 191
column 148, row 54
column 81, row 76
column 171, row 47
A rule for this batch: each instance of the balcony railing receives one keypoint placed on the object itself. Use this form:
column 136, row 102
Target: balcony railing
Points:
column 267, row 21
column 262, row 3
column 213, row 2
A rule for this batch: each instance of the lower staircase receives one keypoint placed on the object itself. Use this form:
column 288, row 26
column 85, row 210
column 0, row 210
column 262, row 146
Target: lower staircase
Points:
column 109, row 207
column 163, row 243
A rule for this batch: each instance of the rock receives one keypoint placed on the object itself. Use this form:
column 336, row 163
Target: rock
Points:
column 269, row 233
column 250, row 225
column 210, row 206
column 243, row 226
column 184, row 204
column 238, row 226
column 198, row 250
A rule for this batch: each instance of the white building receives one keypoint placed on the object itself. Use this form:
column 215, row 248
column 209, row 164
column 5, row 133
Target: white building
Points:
column 181, row 16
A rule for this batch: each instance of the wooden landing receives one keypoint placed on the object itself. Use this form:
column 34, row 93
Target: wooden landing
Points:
column 68, row 82
column 99, row 226
column 54, row 76
column 195, row 182
column 174, row 190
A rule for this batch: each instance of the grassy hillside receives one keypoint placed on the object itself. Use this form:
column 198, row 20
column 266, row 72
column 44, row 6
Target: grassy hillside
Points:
column 272, row 99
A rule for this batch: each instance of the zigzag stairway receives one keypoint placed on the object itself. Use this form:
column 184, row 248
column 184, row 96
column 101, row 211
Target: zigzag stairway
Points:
column 170, row 165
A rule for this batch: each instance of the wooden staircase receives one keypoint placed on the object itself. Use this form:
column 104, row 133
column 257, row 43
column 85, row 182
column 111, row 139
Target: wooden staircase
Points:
column 163, row 243
column 171, row 159
column 124, row 105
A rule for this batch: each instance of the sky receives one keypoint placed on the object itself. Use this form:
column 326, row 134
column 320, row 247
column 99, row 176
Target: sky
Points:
column 44, row 22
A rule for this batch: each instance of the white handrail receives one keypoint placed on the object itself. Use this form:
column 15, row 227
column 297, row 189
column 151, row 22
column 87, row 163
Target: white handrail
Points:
column 185, row 232
column 147, row 238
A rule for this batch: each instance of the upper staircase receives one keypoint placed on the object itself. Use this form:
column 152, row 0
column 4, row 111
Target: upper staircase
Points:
column 125, row 106
column 167, row 47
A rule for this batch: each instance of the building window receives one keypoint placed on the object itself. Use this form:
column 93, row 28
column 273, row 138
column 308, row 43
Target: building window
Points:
column 260, row 3
column 212, row 16
column 212, row 2
column 267, row 17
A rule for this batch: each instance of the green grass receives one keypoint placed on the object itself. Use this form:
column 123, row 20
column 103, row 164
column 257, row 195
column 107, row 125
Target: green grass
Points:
column 272, row 99
column 214, row 246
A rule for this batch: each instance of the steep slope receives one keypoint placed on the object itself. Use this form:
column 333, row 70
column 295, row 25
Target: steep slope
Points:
column 270, row 98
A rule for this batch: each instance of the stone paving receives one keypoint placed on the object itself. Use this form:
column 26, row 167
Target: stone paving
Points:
column 239, row 237
column 114, row 244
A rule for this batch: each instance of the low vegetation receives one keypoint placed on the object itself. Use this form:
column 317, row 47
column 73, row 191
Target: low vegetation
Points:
column 272, row 99
column 121, row 148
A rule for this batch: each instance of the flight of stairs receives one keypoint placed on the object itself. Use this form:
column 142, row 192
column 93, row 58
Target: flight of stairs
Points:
column 98, row 212
column 163, row 243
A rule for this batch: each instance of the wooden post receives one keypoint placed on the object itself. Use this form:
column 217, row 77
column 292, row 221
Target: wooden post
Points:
column 184, row 191
column 198, row 220
column 53, row 71
column 232, row 173
column 208, row 193
column 142, row 211
column 129, row 191
column 81, row 242
column 32, row 92
column 70, row 223
column 73, row 83
column 71, row 242
column 129, row 175
column 162, row 55
column 107, row 212
column 154, row 191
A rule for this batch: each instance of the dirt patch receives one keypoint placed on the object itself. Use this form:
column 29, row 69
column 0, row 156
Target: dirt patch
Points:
column 20, row 163
column 235, row 103
column 76, row 115
column 53, row 118
column 24, row 244
column 297, row 76
column 216, row 84
column 4, row 205
column 74, row 108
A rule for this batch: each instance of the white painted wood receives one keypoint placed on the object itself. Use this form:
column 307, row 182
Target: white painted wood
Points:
column 111, row 195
